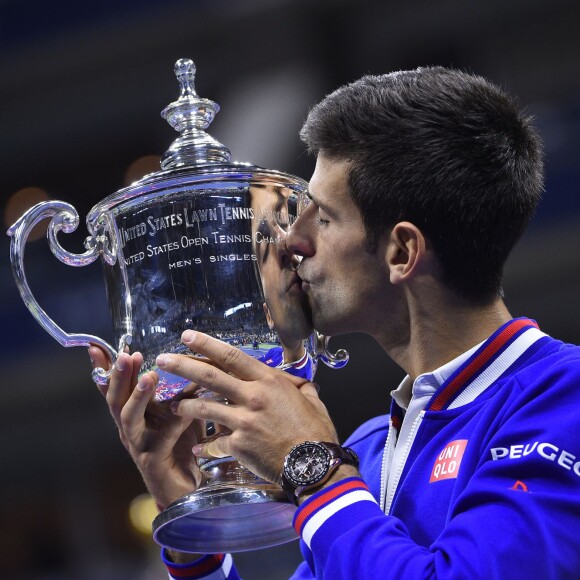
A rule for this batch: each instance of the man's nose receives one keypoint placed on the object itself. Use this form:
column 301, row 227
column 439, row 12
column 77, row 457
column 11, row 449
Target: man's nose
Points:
column 298, row 238
column 286, row 258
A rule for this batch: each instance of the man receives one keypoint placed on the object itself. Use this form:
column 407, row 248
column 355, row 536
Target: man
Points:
column 424, row 181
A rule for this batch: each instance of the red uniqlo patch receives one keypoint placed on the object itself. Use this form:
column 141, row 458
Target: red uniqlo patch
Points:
column 449, row 460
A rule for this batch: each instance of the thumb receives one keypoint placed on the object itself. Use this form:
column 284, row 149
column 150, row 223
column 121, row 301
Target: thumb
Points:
column 211, row 449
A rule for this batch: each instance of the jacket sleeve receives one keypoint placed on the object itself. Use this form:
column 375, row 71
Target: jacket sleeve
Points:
column 208, row 567
column 518, row 517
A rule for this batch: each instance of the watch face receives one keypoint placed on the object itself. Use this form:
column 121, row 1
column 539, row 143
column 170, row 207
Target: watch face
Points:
column 307, row 464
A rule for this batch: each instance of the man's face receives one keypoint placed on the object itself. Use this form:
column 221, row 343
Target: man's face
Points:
column 347, row 287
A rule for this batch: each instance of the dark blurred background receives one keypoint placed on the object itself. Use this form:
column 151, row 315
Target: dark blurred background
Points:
column 81, row 88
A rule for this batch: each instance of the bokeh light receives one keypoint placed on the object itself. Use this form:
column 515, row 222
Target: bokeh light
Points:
column 142, row 512
column 142, row 166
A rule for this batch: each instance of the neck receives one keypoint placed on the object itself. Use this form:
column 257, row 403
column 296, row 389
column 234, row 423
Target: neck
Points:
column 293, row 352
column 432, row 336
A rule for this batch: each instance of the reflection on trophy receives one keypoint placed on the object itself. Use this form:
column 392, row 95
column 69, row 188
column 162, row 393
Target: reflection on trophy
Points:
column 199, row 244
column 285, row 305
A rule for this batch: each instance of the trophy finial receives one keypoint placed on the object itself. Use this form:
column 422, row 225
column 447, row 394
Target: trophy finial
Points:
column 185, row 73
column 191, row 115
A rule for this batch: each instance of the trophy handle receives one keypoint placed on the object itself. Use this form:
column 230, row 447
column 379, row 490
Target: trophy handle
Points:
column 319, row 346
column 64, row 218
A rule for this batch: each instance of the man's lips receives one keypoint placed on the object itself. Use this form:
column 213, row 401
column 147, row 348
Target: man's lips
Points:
column 295, row 283
column 303, row 280
column 304, row 285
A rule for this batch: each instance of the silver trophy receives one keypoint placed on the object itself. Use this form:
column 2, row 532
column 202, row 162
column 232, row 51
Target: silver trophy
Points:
column 199, row 244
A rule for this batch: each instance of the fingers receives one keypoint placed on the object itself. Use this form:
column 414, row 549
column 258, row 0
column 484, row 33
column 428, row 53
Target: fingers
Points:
column 226, row 356
column 221, row 360
column 132, row 414
column 99, row 359
column 121, row 383
column 211, row 449
column 205, row 409
column 202, row 374
column 137, row 362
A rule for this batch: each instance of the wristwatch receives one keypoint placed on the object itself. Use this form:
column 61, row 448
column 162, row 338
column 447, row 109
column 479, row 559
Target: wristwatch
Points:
column 310, row 464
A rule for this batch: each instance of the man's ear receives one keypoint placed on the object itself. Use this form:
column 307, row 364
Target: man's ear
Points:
column 406, row 250
column 269, row 318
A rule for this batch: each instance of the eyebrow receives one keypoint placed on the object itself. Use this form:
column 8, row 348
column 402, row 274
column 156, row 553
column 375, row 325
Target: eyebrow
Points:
column 327, row 208
column 312, row 198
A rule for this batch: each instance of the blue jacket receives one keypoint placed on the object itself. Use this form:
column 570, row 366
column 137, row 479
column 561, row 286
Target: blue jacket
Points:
column 491, row 485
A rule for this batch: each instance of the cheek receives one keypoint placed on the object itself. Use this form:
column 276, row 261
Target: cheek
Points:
column 345, row 289
column 361, row 279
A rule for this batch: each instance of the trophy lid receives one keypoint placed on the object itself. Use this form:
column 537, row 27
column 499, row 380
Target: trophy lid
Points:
column 194, row 157
column 191, row 115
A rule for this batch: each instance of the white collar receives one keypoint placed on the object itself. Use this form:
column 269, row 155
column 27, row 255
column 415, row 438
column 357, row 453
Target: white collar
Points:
column 428, row 383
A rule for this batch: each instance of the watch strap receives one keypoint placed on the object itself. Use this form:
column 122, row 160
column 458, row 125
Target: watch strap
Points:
column 337, row 456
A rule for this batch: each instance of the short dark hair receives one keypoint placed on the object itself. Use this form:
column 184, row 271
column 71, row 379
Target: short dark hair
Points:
column 444, row 149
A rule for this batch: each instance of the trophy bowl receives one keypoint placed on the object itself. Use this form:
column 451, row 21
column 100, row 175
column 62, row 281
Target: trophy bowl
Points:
column 198, row 244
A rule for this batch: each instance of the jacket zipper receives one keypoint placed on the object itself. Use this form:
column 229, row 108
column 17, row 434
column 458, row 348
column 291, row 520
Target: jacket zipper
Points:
column 408, row 445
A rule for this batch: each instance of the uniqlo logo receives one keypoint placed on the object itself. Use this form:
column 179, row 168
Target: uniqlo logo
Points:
column 447, row 464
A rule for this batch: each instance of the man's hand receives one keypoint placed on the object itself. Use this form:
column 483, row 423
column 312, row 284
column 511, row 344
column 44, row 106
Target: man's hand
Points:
column 268, row 411
column 159, row 442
